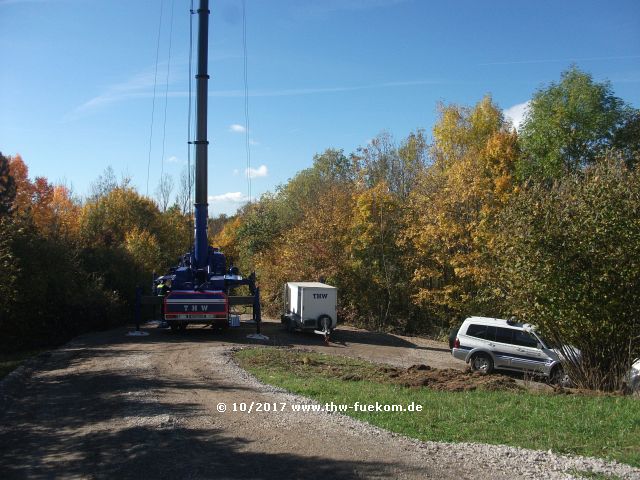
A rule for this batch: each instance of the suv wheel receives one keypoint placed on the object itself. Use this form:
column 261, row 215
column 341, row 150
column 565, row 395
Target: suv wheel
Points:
column 559, row 377
column 481, row 363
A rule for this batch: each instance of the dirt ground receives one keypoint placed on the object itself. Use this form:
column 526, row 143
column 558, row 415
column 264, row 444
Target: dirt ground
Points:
column 395, row 350
column 108, row 405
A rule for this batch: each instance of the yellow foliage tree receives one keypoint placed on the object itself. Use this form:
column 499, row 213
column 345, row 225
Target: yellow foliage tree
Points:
column 313, row 249
column 375, row 260
column 474, row 153
column 143, row 248
column 66, row 212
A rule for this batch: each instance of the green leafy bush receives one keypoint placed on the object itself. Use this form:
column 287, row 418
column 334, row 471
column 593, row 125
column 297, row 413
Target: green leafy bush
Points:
column 567, row 258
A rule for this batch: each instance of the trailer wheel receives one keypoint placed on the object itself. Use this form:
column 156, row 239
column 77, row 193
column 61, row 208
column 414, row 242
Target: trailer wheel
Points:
column 174, row 326
column 324, row 323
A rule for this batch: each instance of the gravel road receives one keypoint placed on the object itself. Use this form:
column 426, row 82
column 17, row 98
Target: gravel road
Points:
column 111, row 406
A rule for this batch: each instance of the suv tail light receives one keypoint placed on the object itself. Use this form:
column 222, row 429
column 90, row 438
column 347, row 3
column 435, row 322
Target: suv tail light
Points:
column 456, row 344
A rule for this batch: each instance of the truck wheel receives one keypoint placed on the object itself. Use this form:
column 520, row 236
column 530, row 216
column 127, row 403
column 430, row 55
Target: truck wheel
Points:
column 482, row 363
column 289, row 325
column 174, row 327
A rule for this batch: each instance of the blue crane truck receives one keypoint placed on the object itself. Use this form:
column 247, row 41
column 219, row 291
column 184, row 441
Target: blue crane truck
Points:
column 200, row 289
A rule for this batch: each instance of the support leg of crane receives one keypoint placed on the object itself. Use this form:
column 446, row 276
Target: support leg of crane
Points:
column 137, row 312
column 257, row 317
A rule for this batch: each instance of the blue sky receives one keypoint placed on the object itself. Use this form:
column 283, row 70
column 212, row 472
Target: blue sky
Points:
column 77, row 78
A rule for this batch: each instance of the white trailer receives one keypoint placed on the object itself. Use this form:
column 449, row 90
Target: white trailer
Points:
column 310, row 306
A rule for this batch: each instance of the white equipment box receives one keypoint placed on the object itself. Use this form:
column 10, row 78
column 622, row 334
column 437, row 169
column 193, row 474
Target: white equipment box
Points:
column 310, row 306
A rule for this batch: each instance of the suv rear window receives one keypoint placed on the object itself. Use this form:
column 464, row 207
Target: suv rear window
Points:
column 478, row 331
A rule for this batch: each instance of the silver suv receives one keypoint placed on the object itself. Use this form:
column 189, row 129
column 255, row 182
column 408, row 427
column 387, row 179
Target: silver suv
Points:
column 488, row 343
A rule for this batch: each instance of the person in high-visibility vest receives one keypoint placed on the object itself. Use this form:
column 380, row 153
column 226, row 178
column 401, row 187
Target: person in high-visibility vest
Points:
column 161, row 290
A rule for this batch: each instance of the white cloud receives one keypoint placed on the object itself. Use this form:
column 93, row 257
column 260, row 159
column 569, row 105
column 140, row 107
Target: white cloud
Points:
column 261, row 171
column 139, row 85
column 173, row 159
column 290, row 92
column 516, row 113
column 233, row 197
column 237, row 128
column 253, row 142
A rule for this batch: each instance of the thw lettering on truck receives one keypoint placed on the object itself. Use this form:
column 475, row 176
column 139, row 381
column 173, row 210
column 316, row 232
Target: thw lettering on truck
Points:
column 320, row 295
column 194, row 308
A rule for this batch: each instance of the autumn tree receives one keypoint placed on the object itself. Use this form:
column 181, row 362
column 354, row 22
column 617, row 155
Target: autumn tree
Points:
column 626, row 140
column 24, row 187
column 381, row 160
column 104, row 184
column 174, row 233
column 65, row 213
column 186, row 188
column 216, row 224
column 46, row 295
column 474, row 153
column 164, row 191
column 7, row 259
column 106, row 220
column 413, row 156
column 228, row 241
column 375, row 275
column 105, row 224
column 311, row 250
column 7, row 187
column 50, row 207
column 144, row 249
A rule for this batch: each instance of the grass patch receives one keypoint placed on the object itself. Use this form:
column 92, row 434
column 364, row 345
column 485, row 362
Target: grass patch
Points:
column 589, row 475
column 10, row 361
column 599, row 426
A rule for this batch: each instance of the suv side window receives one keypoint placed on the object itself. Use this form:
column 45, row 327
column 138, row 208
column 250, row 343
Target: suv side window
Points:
column 486, row 332
column 504, row 335
column 478, row 331
column 491, row 333
column 524, row 339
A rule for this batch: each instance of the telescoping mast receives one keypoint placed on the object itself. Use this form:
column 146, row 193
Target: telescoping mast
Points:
column 200, row 287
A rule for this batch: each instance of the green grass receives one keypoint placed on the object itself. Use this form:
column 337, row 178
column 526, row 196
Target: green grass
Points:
column 599, row 426
column 588, row 475
column 10, row 361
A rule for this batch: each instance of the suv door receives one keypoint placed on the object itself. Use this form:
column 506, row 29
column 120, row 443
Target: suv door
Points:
column 485, row 338
column 528, row 356
column 505, row 350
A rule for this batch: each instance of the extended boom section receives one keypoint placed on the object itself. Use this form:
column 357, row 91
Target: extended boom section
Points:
column 200, row 289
